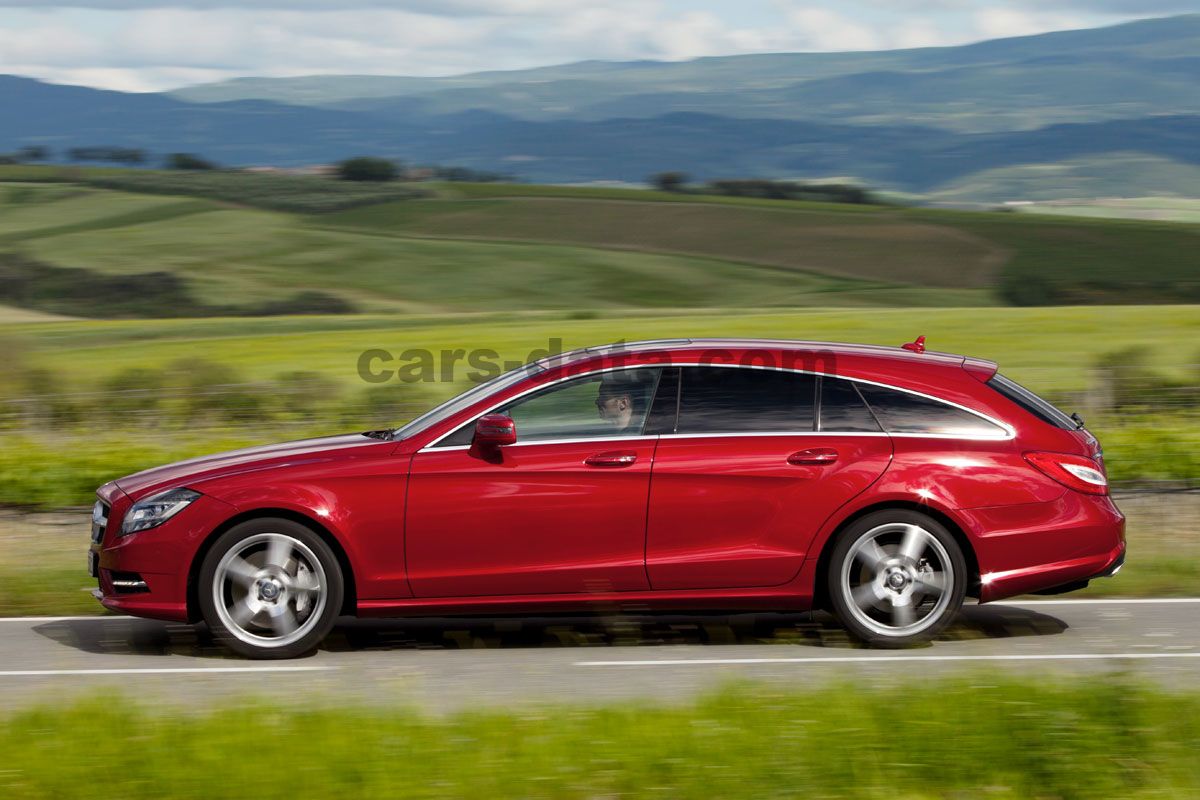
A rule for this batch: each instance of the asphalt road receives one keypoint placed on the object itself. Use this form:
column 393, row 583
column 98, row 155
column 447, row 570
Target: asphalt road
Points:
column 446, row 664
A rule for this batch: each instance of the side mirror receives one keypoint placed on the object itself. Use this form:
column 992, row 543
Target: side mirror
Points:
column 494, row 430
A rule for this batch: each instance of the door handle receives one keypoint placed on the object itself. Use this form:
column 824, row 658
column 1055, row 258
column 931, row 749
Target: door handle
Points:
column 614, row 458
column 815, row 455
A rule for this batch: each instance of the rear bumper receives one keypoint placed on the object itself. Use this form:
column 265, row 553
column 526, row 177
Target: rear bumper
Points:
column 1038, row 546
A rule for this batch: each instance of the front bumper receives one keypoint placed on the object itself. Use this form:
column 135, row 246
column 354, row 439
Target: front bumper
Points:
column 160, row 558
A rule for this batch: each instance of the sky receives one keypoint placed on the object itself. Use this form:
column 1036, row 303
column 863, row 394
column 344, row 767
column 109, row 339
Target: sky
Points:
column 152, row 45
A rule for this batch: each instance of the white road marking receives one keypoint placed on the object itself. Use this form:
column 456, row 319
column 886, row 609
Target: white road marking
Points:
column 29, row 673
column 682, row 662
column 1095, row 601
column 63, row 619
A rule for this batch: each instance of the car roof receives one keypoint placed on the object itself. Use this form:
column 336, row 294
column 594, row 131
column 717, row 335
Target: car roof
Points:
column 667, row 345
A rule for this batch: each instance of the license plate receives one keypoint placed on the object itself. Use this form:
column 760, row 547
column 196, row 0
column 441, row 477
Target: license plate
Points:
column 93, row 564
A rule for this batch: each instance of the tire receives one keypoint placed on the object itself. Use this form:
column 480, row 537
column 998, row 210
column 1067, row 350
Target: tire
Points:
column 896, row 578
column 270, row 588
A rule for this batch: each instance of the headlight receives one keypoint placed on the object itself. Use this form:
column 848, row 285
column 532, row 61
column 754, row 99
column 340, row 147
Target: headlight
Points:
column 155, row 510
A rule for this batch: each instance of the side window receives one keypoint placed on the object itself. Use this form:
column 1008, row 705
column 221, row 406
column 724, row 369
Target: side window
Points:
column 742, row 400
column 843, row 409
column 901, row 412
column 665, row 407
column 1042, row 409
column 610, row 404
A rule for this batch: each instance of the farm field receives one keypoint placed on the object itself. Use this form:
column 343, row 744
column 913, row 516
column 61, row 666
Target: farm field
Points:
column 1051, row 349
column 477, row 247
column 59, row 463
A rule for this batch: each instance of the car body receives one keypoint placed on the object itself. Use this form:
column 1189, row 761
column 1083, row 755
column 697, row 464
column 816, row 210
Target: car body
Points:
column 742, row 467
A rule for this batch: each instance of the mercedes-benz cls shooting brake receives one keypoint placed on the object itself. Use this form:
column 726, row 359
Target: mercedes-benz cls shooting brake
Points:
column 883, row 484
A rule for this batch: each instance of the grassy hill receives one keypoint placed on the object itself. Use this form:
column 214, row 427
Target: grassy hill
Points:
column 495, row 247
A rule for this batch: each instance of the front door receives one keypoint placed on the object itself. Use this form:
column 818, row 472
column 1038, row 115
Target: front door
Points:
column 561, row 511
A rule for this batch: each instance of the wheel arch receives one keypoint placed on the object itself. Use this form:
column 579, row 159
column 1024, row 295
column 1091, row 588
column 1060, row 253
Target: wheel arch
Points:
column 820, row 582
column 349, row 601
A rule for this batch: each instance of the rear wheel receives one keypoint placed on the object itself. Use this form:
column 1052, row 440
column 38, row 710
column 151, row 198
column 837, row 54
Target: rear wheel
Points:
column 270, row 588
column 896, row 578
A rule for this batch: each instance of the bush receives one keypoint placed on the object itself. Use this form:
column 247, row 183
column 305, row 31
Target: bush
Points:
column 303, row 194
column 217, row 392
column 1125, row 382
column 669, row 181
column 188, row 161
column 47, row 400
column 137, row 391
column 387, row 406
column 368, row 168
column 307, row 396
column 791, row 190
column 84, row 293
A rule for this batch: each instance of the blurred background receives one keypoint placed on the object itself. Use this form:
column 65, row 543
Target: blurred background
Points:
column 209, row 211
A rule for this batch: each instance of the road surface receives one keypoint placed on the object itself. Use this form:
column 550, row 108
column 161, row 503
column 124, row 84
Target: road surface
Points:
column 446, row 664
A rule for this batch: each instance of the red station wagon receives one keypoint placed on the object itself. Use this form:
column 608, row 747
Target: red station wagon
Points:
column 883, row 484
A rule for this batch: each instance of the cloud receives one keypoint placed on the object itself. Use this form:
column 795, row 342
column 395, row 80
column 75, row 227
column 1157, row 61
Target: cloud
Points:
column 996, row 23
column 449, row 8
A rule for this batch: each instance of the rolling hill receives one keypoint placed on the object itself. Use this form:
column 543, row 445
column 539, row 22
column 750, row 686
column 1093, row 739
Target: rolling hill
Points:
column 488, row 247
column 938, row 121
column 1124, row 71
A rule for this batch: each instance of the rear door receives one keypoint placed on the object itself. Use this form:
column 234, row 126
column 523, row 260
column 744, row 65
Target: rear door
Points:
column 749, row 473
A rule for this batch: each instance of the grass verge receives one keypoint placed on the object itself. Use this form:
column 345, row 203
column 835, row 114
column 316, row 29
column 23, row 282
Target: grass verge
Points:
column 1100, row 738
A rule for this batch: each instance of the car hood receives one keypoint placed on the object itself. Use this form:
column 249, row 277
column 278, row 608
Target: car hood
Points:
column 196, row 470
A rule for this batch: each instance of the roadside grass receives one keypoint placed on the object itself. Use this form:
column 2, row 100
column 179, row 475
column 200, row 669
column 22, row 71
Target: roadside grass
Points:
column 43, row 572
column 982, row 736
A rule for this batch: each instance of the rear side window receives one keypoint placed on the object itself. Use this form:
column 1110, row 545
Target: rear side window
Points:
column 740, row 400
column 901, row 412
column 842, row 408
column 1029, row 401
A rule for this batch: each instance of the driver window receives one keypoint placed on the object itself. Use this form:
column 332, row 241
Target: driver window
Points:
column 606, row 405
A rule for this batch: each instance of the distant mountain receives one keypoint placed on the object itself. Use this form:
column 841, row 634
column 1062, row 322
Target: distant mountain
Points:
column 1129, row 70
column 970, row 122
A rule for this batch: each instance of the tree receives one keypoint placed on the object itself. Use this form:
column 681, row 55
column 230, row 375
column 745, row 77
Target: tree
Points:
column 670, row 181
column 34, row 152
column 118, row 155
column 188, row 161
column 368, row 168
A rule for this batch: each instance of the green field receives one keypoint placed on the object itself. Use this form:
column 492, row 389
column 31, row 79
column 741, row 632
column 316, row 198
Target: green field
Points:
column 1054, row 351
column 1051, row 349
column 490, row 246
column 970, row 737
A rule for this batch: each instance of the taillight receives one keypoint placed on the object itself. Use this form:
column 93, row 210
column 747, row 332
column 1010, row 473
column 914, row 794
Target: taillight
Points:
column 1075, row 472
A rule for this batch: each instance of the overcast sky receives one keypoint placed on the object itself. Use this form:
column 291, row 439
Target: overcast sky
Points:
column 146, row 45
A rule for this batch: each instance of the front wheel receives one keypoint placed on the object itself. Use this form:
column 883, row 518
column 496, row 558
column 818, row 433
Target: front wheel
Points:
column 896, row 578
column 270, row 588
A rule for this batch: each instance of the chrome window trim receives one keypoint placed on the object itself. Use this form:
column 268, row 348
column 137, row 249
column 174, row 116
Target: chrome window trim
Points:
column 1009, row 432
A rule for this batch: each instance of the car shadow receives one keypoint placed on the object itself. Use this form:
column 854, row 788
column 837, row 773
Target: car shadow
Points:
column 131, row 636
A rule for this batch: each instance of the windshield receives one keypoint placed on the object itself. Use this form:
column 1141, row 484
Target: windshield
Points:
column 466, row 399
